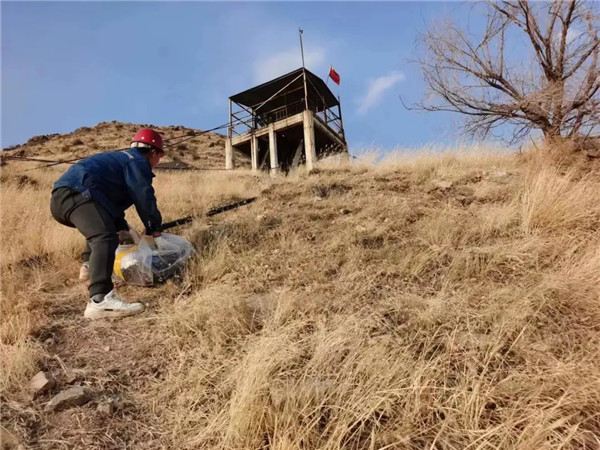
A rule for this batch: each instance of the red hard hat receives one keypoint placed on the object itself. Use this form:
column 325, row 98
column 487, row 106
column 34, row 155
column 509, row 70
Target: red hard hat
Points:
column 149, row 136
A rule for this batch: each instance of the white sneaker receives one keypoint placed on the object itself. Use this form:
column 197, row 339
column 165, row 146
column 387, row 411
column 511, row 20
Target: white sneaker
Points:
column 84, row 272
column 111, row 306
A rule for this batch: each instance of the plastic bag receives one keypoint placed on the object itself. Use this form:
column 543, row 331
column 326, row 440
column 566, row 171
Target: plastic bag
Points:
column 142, row 265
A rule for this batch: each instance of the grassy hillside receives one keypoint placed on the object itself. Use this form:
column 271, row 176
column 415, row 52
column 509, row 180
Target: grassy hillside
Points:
column 206, row 151
column 439, row 302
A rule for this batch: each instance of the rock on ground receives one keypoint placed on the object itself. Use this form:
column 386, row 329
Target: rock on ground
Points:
column 41, row 383
column 75, row 396
column 107, row 407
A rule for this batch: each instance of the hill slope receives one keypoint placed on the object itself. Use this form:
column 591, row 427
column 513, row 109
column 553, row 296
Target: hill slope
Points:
column 205, row 151
column 443, row 302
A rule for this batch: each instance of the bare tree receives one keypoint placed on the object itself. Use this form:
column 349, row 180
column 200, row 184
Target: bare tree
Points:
column 554, row 88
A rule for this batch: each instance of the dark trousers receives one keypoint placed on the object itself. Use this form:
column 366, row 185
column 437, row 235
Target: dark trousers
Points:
column 74, row 210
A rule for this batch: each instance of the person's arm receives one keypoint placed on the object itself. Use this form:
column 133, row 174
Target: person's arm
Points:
column 120, row 223
column 122, row 228
column 138, row 177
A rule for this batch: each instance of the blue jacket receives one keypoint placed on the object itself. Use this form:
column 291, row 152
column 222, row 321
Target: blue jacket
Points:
column 117, row 180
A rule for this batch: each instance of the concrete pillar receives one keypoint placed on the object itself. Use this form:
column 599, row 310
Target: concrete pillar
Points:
column 229, row 164
column 254, row 152
column 273, row 149
column 309, row 140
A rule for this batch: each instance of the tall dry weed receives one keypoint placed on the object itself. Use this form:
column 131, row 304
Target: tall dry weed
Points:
column 20, row 361
column 554, row 202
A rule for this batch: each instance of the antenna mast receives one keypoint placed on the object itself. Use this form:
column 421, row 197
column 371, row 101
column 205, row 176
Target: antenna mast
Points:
column 300, row 31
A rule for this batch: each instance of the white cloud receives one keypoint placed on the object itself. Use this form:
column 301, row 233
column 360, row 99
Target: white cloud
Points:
column 375, row 90
column 283, row 62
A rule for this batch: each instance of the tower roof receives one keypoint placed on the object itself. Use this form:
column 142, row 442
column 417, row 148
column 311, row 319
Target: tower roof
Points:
column 318, row 92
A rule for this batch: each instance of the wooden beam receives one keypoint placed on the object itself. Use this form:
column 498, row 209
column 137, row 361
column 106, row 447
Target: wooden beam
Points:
column 279, row 125
column 249, row 111
column 296, row 160
column 230, row 128
column 229, row 163
column 273, row 149
column 254, row 152
column 341, row 121
column 263, row 162
column 276, row 93
column 309, row 139
column 305, row 88
column 332, row 135
column 228, row 145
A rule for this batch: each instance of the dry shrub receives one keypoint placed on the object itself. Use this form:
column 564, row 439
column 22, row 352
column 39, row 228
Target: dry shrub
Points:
column 579, row 157
column 449, row 163
column 554, row 202
column 15, row 307
column 217, row 317
column 19, row 363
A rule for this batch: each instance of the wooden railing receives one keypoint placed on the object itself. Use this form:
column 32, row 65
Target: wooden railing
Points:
column 243, row 123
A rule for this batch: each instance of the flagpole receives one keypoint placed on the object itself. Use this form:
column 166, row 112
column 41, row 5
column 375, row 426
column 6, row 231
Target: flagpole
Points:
column 300, row 31
column 324, row 105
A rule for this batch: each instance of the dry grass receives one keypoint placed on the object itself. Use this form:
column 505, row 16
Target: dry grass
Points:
column 206, row 151
column 556, row 202
column 357, row 307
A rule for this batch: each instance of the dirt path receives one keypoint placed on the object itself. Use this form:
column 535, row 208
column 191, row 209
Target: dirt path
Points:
column 105, row 356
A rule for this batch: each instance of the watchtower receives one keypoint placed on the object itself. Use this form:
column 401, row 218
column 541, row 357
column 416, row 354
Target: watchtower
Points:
column 284, row 122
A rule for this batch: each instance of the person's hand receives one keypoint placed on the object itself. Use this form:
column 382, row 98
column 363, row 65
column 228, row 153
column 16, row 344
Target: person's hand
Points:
column 125, row 237
column 160, row 242
column 150, row 241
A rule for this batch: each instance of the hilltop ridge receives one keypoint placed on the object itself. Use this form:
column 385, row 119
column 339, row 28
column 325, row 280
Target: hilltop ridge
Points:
column 206, row 151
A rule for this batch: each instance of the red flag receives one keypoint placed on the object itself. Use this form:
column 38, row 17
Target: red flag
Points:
column 334, row 75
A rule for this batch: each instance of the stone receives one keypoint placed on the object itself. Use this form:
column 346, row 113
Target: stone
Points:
column 106, row 408
column 74, row 396
column 101, row 373
column 50, row 342
column 75, row 375
column 41, row 383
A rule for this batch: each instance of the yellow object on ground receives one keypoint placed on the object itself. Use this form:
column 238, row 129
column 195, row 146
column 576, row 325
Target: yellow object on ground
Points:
column 119, row 257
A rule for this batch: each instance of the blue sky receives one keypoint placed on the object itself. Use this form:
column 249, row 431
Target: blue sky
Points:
column 72, row 64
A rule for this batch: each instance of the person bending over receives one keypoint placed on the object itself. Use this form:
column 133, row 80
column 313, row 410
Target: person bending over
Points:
column 92, row 196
